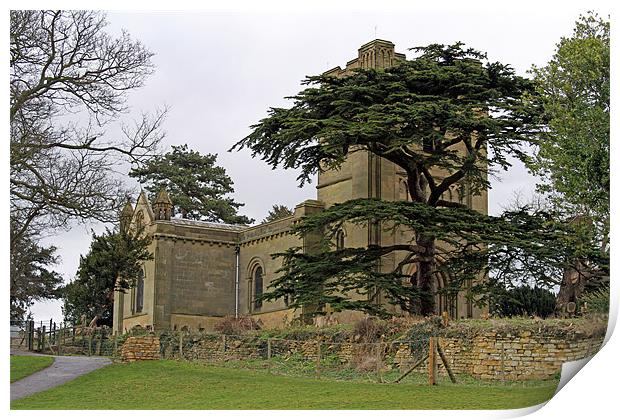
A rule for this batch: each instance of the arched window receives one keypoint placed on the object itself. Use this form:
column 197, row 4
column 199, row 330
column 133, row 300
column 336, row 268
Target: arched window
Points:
column 140, row 219
column 140, row 292
column 258, row 287
column 340, row 240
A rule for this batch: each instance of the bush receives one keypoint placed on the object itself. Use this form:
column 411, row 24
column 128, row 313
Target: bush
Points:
column 369, row 330
column 522, row 301
column 596, row 301
column 236, row 326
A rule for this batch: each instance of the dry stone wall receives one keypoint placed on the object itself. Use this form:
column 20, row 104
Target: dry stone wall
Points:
column 487, row 355
column 140, row 348
column 523, row 356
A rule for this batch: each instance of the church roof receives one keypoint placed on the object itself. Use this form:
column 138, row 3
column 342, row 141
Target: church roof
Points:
column 143, row 202
column 127, row 209
column 204, row 224
column 163, row 197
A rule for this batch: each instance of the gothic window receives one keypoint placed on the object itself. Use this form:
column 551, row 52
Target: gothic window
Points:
column 340, row 240
column 140, row 292
column 140, row 219
column 258, row 287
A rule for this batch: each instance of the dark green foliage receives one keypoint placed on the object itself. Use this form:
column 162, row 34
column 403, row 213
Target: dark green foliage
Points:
column 519, row 245
column 31, row 276
column 277, row 211
column 522, row 301
column 114, row 262
column 595, row 301
column 390, row 111
column 445, row 112
column 197, row 187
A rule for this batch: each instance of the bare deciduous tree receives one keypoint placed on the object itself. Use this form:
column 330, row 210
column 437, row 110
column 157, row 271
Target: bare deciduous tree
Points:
column 69, row 82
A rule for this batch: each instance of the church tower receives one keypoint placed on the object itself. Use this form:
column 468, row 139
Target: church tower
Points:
column 366, row 175
column 162, row 206
column 363, row 174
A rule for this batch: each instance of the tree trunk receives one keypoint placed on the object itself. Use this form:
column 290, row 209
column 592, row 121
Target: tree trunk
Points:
column 573, row 285
column 425, row 280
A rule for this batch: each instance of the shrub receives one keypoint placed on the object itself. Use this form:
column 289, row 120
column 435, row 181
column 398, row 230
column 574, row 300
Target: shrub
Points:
column 595, row 301
column 236, row 326
column 522, row 301
column 369, row 330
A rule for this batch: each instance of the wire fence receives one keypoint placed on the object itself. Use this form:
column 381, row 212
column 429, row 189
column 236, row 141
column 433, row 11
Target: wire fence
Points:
column 64, row 339
column 419, row 359
column 342, row 360
column 423, row 359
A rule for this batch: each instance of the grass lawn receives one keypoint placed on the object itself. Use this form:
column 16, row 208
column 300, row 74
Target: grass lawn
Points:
column 22, row 366
column 184, row 385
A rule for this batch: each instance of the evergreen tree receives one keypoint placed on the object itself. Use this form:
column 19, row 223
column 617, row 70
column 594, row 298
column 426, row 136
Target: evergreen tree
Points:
column 31, row 276
column 114, row 262
column 445, row 119
column 197, row 187
column 277, row 211
column 522, row 301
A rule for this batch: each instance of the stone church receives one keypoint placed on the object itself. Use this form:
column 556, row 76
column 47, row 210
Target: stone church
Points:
column 203, row 271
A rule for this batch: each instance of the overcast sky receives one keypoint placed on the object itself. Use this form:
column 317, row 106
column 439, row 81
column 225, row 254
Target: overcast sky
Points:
column 220, row 71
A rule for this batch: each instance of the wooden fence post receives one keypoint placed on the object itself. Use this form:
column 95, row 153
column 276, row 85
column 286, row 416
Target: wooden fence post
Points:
column 43, row 339
column 100, row 342
column 432, row 362
column 30, row 335
column 378, row 354
column 90, row 343
column 181, row 345
column 269, row 355
column 445, row 318
column 59, row 339
column 318, row 360
column 62, row 337
column 419, row 362
column 444, row 359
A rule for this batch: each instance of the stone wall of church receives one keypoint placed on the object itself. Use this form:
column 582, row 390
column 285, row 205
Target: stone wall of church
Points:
column 194, row 273
column 257, row 244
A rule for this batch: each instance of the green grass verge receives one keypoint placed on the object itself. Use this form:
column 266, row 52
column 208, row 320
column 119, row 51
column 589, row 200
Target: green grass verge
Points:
column 22, row 366
column 184, row 385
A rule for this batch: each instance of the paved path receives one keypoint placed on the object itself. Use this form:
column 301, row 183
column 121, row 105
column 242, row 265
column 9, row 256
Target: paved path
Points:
column 64, row 369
